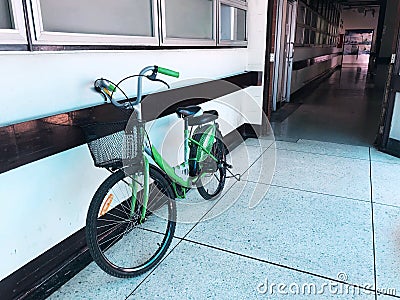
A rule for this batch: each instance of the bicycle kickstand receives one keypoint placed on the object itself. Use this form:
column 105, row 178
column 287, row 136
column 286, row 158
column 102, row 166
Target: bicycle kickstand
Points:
column 236, row 176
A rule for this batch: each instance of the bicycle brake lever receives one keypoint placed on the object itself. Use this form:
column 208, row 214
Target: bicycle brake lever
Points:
column 99, row 90
column 153, row 78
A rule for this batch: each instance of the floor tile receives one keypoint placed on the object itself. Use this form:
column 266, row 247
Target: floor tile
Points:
column 383, row 157
column 264, row 142
column 387, row 297
column 192, row 271
column 339, row 176
column 387, row 244
column 93, row 283
column 243, row 156
column 385, row 183
column 193, row 208
column 318, row 233
column 325, row 148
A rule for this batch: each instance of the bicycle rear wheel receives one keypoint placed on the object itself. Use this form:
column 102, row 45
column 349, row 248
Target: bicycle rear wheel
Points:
column 212, row 181
column 119, row 243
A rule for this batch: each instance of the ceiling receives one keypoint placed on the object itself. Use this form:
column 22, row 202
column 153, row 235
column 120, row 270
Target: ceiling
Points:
column 358, row 3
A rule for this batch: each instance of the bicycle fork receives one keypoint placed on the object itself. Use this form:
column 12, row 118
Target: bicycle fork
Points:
column 135, row 188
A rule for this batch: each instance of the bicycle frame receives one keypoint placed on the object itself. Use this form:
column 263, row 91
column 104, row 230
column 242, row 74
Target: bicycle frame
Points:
column 170, row 171
column 205, row 147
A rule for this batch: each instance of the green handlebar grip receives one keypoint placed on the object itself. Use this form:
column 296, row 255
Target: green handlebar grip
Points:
column 168, row 72
column 111, row 87
column 107, row 85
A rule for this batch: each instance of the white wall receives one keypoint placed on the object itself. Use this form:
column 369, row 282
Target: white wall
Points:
column 43, row 84
column 257, row 27
column 46, row 201
column 301, row 77
column 301, row 53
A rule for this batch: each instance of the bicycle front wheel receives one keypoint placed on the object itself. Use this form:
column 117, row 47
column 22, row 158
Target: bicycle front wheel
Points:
column 121, row 244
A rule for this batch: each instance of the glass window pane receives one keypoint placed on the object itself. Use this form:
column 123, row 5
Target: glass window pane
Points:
column 308, row 17
column 306, row 36
column 233, row 23
column 193, row 20
column 122, row 17
column 299, row 35
column 301, row 14
column 314, row 20
column 312, row 38
column 5, row 15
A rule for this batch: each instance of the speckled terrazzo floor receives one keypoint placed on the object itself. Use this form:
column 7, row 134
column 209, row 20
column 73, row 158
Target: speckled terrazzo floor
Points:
column 327, row 227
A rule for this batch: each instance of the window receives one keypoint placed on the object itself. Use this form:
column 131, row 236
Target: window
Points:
column 301, row 13
column 6, row 21
column 95, row 22
column 317, row 38
column 12, row 26
column 299, row 35
column 192, row 23
column 232, row 25
column 306, row 37
column 317, row 23
column 123, row 23
column 308, row 17
column 314, row 20
column 312, row 37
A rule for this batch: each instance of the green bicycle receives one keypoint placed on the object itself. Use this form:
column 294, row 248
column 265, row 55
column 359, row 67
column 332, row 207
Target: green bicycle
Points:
column 124, row 236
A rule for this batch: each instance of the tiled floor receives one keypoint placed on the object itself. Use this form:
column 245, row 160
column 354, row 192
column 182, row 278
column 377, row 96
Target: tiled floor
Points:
column 328, row 224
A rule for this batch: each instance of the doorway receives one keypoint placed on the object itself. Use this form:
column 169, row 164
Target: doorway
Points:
column 357, row 47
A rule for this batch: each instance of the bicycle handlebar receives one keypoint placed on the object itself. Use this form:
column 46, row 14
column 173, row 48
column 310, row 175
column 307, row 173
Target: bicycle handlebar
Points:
column 105, row 86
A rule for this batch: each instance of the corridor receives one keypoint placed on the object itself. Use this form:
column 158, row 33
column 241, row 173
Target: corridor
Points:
column 343, row 109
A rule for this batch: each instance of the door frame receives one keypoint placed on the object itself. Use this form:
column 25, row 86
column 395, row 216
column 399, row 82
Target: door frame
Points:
column 290, row 54
column 278, row 54
column 385, row 143
column 282, row 58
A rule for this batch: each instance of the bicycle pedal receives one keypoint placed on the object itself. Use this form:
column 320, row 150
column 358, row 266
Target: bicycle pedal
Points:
column 226, row 165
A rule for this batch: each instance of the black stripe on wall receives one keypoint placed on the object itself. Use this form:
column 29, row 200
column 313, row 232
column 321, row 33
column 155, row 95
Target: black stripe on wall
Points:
column 32, row 140
column 305, row 63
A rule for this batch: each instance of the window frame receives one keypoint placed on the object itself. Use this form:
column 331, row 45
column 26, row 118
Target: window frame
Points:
column 42, row 37
column 239, row 5
column 16, row 36
column 169, row 41
column 326, row 30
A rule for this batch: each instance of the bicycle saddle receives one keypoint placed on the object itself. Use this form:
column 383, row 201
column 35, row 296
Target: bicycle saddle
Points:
column 192, row 110
column 207, row 117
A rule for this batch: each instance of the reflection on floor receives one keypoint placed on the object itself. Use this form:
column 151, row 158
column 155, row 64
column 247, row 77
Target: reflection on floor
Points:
column 328, row 226
column 343, row 109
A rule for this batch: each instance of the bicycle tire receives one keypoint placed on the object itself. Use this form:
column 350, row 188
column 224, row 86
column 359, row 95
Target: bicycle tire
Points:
column 124, row 234
column 218, row 150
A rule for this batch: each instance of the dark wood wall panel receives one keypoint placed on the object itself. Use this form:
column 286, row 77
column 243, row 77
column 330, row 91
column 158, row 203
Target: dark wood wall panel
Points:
column 29, row 141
